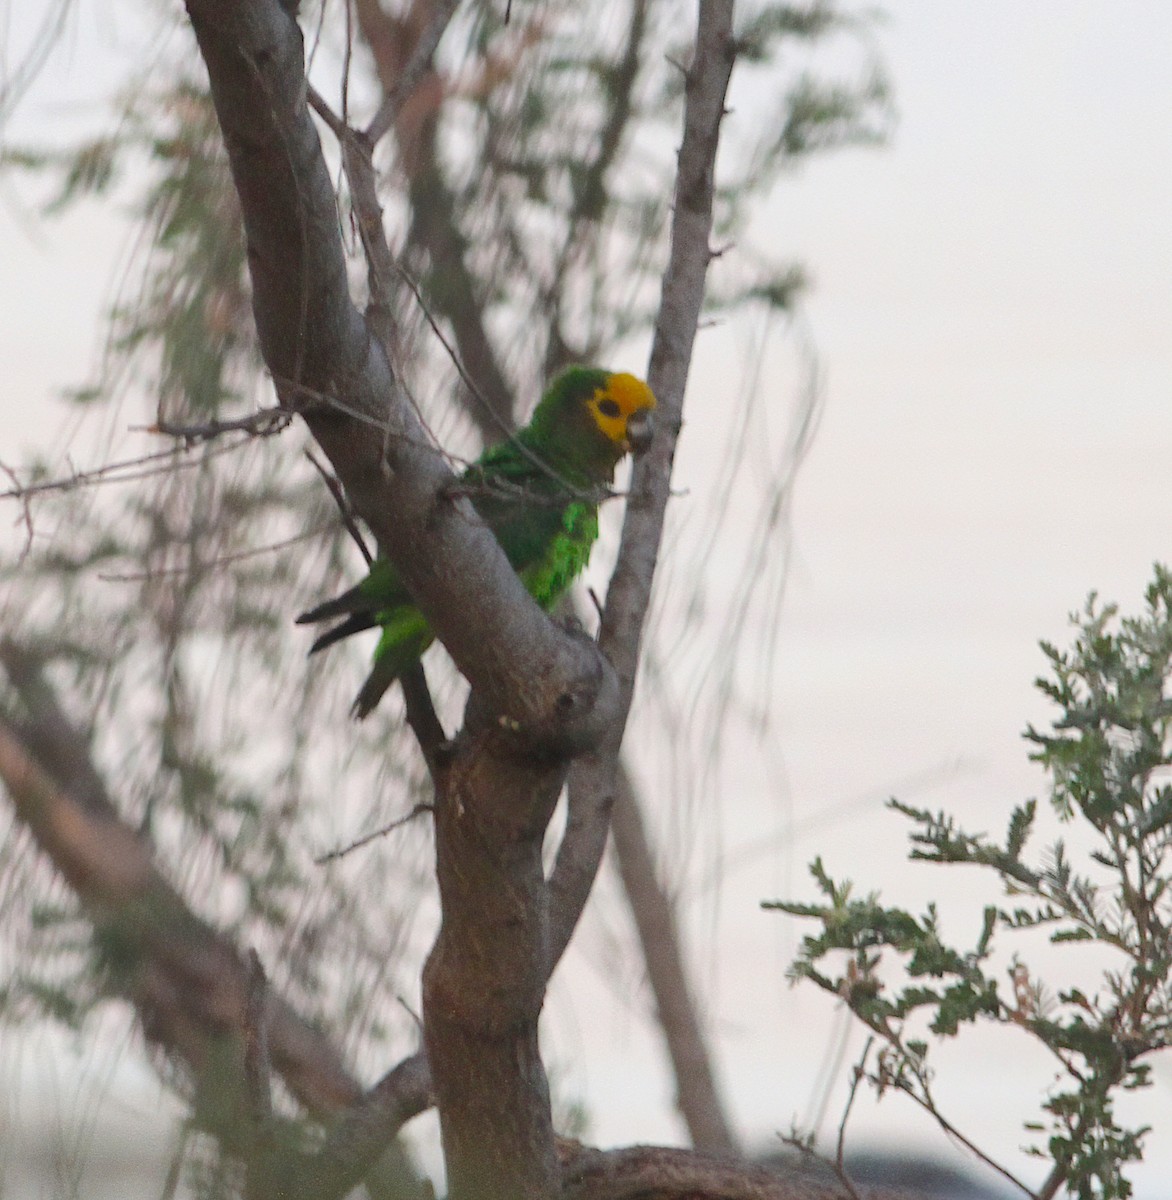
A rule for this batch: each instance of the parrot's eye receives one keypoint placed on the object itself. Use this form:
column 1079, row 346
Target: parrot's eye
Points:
column 608, row 407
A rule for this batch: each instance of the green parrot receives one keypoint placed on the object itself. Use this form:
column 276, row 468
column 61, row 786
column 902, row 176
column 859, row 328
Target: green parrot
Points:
column 538, row 492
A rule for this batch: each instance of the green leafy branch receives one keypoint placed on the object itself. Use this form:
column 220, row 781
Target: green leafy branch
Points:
column 1108, row 756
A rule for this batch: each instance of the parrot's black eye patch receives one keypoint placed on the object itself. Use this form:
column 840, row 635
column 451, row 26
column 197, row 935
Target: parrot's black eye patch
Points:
column 608, row 407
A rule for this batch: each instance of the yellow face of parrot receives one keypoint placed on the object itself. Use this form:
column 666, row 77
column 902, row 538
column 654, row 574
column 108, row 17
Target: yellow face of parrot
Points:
column 622, row 409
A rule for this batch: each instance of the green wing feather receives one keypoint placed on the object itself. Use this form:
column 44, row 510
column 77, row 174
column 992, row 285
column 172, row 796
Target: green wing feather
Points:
column 537, row 492
column 545, row 532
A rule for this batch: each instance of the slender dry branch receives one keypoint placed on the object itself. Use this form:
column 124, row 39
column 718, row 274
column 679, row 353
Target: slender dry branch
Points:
column 928, row 1104
column 342, row 851
column 423, row 719
column 162, row 462
column 265, row 423
column 594, row 779
column 697, row 1096
column 339, row 497
column 592, row 783
column 257, row 1067
column 258, row 1085
column 361, row 1137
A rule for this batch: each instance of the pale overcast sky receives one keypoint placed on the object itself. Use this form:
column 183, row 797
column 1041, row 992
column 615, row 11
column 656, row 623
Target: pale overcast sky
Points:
column 992, row 303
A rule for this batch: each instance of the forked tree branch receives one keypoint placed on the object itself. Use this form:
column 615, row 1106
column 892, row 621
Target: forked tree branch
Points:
column 395, row 41
column 539, row 694
column 191, row 987
column 592, row 781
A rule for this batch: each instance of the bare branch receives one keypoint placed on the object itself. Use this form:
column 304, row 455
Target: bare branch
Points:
column 265, row 423
column 190, row 984
column 163, row 462
column 929, row 1106
column 260, row 1159
column 594, row 779
column 697, row 1095
column 335, row 490
column 413, row 70
column 592, row 784
column 357, row 1141
column 257, row 1068
column 367, row 838
column 422, row 718
column 858, row 1074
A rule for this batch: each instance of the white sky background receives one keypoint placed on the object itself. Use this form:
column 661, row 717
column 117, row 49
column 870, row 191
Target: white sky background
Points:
column 991, row 302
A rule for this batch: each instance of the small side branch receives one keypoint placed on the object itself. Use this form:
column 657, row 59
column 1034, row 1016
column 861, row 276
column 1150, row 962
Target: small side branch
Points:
column 257, row 1068
column 264, row 423
column 360, row 1138
column 335, row 490
column 258, row 1084
column 413, row 70
column 367, row 838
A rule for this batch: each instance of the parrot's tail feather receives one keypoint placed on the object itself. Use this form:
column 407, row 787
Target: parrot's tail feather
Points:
column 367, row 699
column 352, row 601
column 392, row 659
column 355, row 624
column 385, row 671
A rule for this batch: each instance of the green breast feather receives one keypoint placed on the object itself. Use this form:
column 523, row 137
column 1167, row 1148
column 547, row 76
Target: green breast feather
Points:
column 566, row 556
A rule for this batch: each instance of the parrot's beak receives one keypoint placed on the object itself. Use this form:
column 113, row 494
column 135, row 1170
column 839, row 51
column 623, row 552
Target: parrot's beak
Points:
column 640, row 427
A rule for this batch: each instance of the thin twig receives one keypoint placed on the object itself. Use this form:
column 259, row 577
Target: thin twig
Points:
column 929, row 1106
column 366, row 839
column 258, row 1085
column 509, row 433
column 358, row 165
column 335, row 490
column 26, row 513
column 347, row 58
column 503, row 426
column 221, row 561
column 134, row 468
column 323, row 401
column 858, row 1074
column 321, row 106
column 265, row 423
